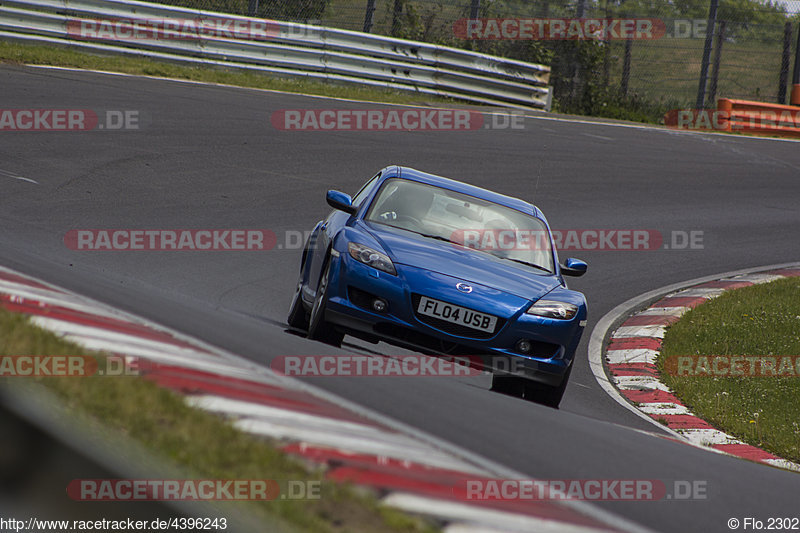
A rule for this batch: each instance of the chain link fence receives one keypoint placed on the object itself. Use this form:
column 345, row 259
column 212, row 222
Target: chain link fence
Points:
column 619, row 58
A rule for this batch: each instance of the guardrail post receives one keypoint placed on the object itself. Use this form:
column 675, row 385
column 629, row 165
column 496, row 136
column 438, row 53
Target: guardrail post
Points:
column 626, row 68
column 397, row 12
column 712, row 22
column 252, row 8
column 577, row 86
column 606, row 52
column 712, row 91
column 787, row 50
column 475, row 9
column 794, row 99
column 369, row 15
column 581, row 9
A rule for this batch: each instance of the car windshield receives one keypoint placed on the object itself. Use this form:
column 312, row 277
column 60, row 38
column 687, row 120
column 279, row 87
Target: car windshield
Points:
column 464, row 220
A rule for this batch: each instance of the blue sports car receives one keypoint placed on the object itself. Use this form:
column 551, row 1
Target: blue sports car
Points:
column 444, row 268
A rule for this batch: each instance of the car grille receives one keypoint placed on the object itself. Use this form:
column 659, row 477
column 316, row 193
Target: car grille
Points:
column 454, row 329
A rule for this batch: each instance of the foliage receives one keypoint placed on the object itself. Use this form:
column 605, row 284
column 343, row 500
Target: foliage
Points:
column 293, row 10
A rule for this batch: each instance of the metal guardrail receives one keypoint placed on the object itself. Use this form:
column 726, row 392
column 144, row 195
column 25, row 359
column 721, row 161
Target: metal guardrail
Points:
column 285, row 49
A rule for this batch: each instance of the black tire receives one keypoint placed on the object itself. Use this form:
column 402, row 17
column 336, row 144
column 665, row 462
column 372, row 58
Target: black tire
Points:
column 318, row 329
column 508, row 385
column 298, row 317
column 547, row 394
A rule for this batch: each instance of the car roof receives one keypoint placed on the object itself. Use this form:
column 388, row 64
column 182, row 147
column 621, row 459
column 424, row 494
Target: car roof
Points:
column 458, row 186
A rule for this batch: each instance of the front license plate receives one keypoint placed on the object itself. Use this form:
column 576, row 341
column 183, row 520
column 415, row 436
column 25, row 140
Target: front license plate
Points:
column 456, row 314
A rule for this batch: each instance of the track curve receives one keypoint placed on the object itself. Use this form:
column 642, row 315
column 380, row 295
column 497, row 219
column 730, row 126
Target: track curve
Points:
column 207, row 157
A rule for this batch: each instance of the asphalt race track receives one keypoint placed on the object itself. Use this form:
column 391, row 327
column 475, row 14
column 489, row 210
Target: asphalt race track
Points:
column 208, row 158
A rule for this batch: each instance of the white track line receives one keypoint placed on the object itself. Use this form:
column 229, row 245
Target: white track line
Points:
column 664, row 311
column 485, row 519
column 640, row 383
column 330, row 432
column 634, row 355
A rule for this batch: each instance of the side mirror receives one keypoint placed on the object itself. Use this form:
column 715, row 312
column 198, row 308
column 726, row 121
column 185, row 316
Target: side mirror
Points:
column 341, row 201
column 573, row 267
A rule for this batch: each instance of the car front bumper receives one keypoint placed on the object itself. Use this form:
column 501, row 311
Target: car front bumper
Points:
column 354, row 286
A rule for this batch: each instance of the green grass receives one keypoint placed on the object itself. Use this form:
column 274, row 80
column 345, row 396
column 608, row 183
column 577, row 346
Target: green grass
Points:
column 669, row 69
column 755, row 321
column 14, row 53
column 200, row 443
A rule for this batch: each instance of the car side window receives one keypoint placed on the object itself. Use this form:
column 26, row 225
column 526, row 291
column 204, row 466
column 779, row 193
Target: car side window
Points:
column 365, row 190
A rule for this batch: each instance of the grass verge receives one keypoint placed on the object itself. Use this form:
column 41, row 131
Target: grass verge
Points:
column 28, row 54
column 762, row 320
column 202, row 444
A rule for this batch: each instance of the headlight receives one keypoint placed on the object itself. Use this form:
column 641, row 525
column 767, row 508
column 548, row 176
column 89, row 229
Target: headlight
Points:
column 371, row 257
column 553, row 309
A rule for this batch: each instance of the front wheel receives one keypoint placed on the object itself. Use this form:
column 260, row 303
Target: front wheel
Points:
column 547, row 394
column 298, row 317
column 318, row 329
column 509, row 385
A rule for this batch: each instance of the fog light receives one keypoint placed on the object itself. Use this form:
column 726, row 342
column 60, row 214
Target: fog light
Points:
column 524, row 346
column 379, row 305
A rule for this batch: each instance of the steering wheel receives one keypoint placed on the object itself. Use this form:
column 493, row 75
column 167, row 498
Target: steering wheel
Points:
column 411, row 219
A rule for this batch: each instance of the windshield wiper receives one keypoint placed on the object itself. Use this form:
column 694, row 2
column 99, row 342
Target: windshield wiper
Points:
column 428, row 235
column 520, row 261
column 445, row 239
column 526, row 263
column 437, row 237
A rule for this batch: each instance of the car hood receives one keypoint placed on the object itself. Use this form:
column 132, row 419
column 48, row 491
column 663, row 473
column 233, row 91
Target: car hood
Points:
column 406, row 248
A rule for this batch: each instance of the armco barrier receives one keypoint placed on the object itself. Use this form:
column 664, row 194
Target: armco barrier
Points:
column 760, row 118
column 288, row 50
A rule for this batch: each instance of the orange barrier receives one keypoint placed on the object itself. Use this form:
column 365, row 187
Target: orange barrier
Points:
column 760, row 118
column 794, row 99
